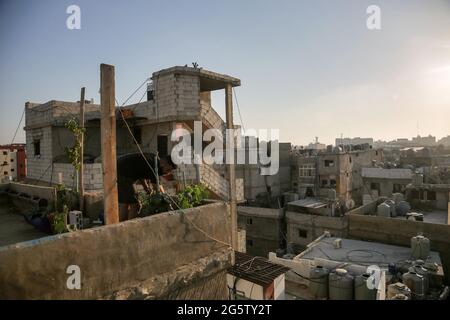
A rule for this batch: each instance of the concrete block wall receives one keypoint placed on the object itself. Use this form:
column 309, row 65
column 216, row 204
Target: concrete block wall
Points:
column 137, row 256
column 39, row 166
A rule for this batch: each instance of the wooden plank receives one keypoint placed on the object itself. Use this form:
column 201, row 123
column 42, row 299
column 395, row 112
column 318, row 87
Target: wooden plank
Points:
column 108, row 137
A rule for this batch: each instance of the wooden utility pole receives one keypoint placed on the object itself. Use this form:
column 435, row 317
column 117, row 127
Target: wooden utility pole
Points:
column 81, row 172
column 108, row 134
column 231, row 168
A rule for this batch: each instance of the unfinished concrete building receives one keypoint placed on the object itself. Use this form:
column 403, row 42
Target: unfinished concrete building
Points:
column 385, row 182
column 316, row 174
column 178, row 97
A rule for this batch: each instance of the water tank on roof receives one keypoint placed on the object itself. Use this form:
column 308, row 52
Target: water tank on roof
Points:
column 402, row 208
column 362, row 291
column 340, row 285
column 383, row 210
column 391, row 205
column 414, row 216
column 318, row 284
column 415, row 282
column 420, row 247
column 397, row 197
column 332, row 194
column 418, row 267
column 398, row 288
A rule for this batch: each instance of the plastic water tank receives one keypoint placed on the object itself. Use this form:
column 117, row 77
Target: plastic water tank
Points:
column 397, row 197
column 391, row 205
column 319, row 282
column 418, row 267
column 383, row 210
column 362, row 291
column 415, row 282
column 420, row 247
column 398, row 288
column 340, row 285
column 403, row 208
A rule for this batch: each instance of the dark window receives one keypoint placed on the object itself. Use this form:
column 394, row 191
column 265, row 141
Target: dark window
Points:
column 12, row 160
column 249, row 221
column 397, row 188
column 333, row 182
column 5, row 173
column 12, row 170
column 324, row 183
column 350, row 159
column 5, row 163
column 415, row 194
column 431, row 195
column 37, row 147
column 329, row 163
column 376, row 153
column 374, row 186
column 137, row 133
column 162, row 145
column 302, row 233
column 249, row 242
column 5, row 153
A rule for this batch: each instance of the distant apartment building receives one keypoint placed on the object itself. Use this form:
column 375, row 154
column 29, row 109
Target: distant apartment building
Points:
column 445, row 141
column 13, row 162
column 264, row 188
column 384, row 182
column 315, row 175
column 316, row 145
column 353, row 141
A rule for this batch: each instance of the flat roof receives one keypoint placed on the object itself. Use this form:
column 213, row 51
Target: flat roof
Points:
column 260, row 212
column 382, row 173
column 209, row 80
column 258, row 270
column 363, row 252
column 311, row 203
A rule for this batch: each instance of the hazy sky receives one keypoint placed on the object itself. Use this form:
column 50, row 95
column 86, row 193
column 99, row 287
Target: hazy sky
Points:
column 309, row 68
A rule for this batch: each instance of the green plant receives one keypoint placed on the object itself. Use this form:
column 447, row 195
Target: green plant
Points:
column 74, row 152
column 65, row 197
column 154, row 203
column 60, row 221
column 192, row 196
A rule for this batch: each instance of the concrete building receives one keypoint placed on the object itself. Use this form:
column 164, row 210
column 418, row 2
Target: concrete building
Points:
column 308, row 218
column 429, row 196
column 263, row 190
column 264, row 229
column 353, row 141
column 317, row 174
column 179, row 96
column 385, row 182
column 13, row 164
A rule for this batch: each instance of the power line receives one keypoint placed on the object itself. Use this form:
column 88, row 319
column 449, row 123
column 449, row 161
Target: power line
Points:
column 154, row 173
column 239, row 109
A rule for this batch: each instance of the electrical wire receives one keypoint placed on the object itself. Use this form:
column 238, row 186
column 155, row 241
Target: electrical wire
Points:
column 154, row 173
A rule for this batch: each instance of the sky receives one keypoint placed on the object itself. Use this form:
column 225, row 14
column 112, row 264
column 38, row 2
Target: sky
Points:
column 308, row 68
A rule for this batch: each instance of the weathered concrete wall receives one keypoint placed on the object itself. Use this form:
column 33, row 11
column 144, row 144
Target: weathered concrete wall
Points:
column 314, row 226
column 263, row 229
column 400, row 232
column 39, row 192
column 123, row 257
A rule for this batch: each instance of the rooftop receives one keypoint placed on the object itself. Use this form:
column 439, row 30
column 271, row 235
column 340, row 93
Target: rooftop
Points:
column 209, row 80
column 311, row 203
column 362, row 252
column 382, row 173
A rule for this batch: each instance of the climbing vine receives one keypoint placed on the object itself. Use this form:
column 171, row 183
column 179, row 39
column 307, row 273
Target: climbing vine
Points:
column 74, row 152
